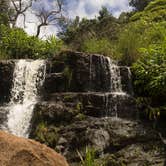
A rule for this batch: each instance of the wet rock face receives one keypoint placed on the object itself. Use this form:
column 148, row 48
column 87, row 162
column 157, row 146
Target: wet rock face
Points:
column 6, row 76
column 79, row 109
column 78, row 103
column 79, row 72
column 126, row 141
column 73, row 121
column 63, row 106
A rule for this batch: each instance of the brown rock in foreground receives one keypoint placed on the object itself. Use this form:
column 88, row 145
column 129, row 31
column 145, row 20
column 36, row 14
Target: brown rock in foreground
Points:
column 15, row 151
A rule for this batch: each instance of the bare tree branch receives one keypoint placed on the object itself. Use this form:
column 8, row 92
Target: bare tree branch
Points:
column 47, row 17
column 19, row 7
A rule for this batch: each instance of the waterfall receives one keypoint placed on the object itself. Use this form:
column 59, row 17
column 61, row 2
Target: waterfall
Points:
column 115, row 77
column 28, row 77
column 106, row 76
column 115, row 89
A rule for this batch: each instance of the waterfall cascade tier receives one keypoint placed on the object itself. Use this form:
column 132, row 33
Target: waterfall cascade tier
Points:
column 112, row 80
column 91, row 75
column 28, row 77
column 99, row 84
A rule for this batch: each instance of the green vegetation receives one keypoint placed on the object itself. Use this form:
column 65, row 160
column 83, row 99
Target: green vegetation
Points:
column 89, row 159
column 68, row 74
column 15, row 43
column 136, row 38
column 101, row 46
column 46, row 134
column 139, row 5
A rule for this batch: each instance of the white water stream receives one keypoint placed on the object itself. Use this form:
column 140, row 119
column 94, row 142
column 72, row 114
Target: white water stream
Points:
column 115, row 77
column 27, row 79
column 115, row 89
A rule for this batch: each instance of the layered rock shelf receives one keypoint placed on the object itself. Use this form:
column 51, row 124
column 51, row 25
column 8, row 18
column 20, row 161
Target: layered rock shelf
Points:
column 6, row 77
column 88, row 101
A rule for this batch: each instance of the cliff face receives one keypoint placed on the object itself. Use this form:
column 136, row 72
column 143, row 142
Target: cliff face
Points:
column 81, row 108
column 79, row 72
column 6, row 77
column 87, row 101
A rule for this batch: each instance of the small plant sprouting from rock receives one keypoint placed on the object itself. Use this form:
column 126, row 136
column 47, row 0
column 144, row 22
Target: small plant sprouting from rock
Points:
column 89, row 159
column 79, row 106
column 68, row 75
column 47, row 134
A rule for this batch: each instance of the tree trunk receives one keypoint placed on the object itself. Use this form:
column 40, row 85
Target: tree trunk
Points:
column 38, row 30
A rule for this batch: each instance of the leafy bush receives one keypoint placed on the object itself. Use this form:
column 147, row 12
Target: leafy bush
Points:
column 130, row 40
column 155, row 11
column 100, row 46
column 150, row 71
column 15, row 43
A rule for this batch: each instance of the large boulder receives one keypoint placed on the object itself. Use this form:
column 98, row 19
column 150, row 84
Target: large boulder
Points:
column 20, row 151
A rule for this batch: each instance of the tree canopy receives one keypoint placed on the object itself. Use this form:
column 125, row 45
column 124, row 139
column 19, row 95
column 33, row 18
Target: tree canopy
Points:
column 139, row 5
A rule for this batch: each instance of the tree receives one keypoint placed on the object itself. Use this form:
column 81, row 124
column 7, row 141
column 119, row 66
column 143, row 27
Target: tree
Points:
column 19, row 7
column 104, row 13
column 48, row 17
column 4, row 10
column 139, row 5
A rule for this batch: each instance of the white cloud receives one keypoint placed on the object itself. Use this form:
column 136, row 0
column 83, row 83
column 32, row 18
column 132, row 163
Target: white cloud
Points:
column 82, row 8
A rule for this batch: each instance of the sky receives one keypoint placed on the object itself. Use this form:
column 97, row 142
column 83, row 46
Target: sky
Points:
column 73, row 8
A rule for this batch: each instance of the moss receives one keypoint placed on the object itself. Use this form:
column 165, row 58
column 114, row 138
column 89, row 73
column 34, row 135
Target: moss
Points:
column 80, row 117
column 68, row 98
column 79, row 106
column 68, row 74
column 46, row 134
column 113, row 161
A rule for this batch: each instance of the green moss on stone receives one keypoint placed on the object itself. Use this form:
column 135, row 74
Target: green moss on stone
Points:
column 46, row 134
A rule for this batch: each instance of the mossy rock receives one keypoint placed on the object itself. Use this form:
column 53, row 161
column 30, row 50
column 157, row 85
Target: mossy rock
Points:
column 46, row 134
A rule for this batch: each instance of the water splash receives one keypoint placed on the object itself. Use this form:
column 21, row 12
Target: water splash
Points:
column 27, row 79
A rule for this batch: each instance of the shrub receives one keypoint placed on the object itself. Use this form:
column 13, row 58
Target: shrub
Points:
column 100, row 46
column 130, row 40
column 15, row 43
column 150, row 71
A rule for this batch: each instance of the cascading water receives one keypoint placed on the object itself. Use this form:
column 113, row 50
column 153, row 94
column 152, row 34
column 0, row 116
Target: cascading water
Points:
column 27, row 79
column 115, row 89
column 115, row 77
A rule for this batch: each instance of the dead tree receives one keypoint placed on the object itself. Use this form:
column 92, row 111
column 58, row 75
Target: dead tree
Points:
column 48, row 17
column 19, row 7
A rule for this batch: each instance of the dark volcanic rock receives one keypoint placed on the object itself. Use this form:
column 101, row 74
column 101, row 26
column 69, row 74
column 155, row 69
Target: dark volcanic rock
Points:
column 126, row 79
column 73, row 121
column 55, row 82
column 126, row 140
column 79, row 109
column 6, row 76
column 80, row 72
column 92, row 104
